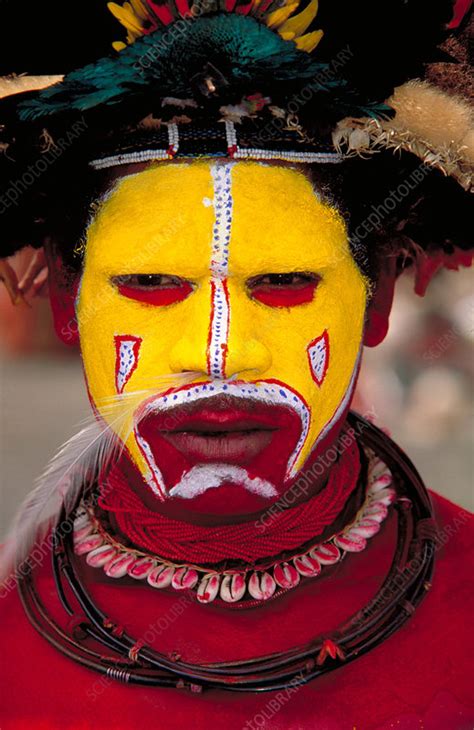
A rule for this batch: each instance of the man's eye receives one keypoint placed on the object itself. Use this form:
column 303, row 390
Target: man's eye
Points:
column 156, row 289
column 285, row 289
column 147, row 281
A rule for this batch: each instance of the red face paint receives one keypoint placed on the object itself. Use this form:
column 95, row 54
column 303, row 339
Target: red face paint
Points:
column 242, row 432
column 155, row 289
column 284, row 290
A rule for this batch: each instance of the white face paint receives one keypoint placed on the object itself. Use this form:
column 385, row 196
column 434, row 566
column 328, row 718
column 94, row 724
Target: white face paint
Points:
column 220, row 305
column 203, row 477
column 127, row 348
column 318, row 353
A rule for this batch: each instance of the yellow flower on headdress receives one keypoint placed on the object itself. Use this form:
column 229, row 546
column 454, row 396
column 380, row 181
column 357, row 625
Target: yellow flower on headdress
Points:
column 292, row 27
column 132, row 16
column 136, row 15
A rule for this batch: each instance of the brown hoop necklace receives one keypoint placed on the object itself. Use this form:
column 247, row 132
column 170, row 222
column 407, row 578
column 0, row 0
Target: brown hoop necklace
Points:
column 130, row 661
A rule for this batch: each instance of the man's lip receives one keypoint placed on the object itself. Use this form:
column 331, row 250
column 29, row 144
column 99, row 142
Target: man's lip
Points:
column 218, row 423
column 245, row 428
column 223, row 414
column 234, row 446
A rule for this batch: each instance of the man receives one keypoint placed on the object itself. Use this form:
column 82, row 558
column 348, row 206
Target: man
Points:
column 224, row 527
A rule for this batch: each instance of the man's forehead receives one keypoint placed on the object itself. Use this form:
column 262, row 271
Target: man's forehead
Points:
column 159, row 180
column 169, row 213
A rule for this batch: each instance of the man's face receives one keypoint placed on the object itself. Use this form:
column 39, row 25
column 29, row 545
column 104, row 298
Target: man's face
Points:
column 221, row 306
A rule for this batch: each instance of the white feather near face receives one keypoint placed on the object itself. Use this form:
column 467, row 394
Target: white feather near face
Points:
column 65, row 477
column 72, row 471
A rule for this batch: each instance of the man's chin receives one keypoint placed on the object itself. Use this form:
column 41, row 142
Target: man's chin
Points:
column 222, row 489
column 227, row 500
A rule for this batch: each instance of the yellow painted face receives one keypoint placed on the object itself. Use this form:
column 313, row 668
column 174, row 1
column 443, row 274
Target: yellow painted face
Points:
column 239, row 277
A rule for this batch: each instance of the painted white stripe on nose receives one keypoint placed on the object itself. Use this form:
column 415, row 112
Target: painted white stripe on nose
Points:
column 220, row 308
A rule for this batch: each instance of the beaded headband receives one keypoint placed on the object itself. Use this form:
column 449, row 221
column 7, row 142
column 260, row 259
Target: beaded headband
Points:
column 222, row 140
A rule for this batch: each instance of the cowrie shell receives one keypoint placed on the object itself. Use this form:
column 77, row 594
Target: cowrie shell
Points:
column 286, row 575
column 233, row 588
column 81, row 521
column 184, row 578
column 82, row 532
column 326, row 554
column 350, row 544
column 307, row 565
column 161, row 576
column 118, row 566
column 384, row 496
column 141, row 568
column 384, row 480
column 87, row 544
column 208, row 588
column 377, row 512
column 261, row 586
column 364, row 528
column 100, row 556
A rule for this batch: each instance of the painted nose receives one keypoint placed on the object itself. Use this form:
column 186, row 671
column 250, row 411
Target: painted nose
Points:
column 210, row 351
column 246, row 357
column 188, row 354
column 219, row 339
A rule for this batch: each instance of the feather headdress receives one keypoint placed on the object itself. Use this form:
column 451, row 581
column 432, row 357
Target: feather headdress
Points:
column 335, row 77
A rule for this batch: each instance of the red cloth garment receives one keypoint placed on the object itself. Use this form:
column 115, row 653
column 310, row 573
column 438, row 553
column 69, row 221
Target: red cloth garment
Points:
column 421, row 677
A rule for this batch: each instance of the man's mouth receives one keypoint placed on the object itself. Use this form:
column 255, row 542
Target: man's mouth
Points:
column 237, row 443
column 216, row 435
column 255, row 427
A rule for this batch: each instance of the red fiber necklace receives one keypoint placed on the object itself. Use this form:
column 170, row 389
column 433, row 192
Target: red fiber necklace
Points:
column 259, row 580
column 285, row 529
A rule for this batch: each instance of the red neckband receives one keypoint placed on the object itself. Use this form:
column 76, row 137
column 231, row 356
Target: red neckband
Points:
column 283, row 529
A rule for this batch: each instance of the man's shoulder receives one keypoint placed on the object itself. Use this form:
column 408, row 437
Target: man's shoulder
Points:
column 444, row 506
column 455, row 528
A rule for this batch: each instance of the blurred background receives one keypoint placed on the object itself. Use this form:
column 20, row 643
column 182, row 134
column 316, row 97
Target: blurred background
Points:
column 418, row 383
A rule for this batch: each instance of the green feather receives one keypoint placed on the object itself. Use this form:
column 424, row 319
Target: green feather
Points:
column 162, row 63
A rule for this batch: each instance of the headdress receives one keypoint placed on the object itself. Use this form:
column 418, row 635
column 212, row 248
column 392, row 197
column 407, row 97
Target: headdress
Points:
column 366, row 98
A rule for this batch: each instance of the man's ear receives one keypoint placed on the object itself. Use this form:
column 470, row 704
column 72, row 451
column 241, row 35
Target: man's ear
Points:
column 63, row 289
column 378, row 311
